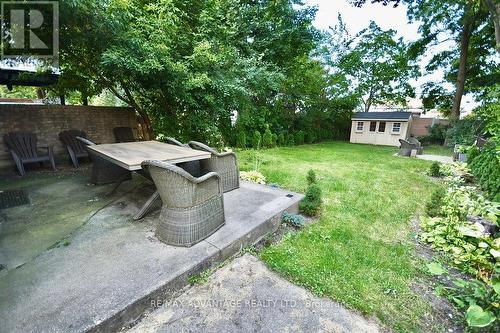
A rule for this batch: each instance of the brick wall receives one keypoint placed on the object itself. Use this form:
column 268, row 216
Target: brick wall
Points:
column 420, row 126
column 48, row 120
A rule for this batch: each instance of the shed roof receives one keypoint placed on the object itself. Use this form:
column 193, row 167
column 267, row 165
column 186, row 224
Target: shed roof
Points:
column 402, row 116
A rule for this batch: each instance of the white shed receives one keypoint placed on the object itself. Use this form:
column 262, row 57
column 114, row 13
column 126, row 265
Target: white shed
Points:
column 380, row 128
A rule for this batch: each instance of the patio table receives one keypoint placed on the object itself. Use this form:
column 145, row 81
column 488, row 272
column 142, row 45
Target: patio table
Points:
column 130, row 155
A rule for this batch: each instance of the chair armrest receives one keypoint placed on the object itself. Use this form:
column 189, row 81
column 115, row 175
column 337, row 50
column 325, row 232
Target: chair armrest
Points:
column 211, row 183
column 49, row 148
column 201, row 146
column 228, row 153
column 206, row 177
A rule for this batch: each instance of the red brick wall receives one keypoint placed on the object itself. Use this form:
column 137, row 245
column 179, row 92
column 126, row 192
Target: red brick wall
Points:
column 48, row 120
column 420, row 126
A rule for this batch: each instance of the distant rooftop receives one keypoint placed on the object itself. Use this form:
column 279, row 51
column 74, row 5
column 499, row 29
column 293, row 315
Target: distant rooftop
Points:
column 404, row 116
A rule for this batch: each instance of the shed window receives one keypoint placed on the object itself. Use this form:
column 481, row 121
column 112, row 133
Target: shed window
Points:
column 360, row 125
column 381, row 126
column 396, row 127
column 373, row 126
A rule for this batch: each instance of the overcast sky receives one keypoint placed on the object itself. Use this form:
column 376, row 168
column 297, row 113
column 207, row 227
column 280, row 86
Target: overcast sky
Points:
column 357, row 19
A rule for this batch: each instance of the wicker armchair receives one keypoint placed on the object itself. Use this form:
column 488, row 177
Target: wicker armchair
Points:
column 124, row 134
column 176, row 142
column 406, row 148
column 24, row 149
column 419, row 147
column 76, row 149
column 224, row 164
column 193, row 208
column 192, row 167
column 103, row 171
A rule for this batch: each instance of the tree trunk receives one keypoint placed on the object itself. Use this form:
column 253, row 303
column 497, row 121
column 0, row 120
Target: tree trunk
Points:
column 144, row 121
column 368, row 102
column 40, row 93
column 494, row 9
column 468, row 27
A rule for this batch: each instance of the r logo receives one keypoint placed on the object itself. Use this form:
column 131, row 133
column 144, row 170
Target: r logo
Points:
column 30, row 30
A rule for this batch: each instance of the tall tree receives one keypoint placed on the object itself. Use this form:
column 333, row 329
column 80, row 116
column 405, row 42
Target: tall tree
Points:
column 459, row 21
column 186, row 65
column 378, row 67
column 464, row 23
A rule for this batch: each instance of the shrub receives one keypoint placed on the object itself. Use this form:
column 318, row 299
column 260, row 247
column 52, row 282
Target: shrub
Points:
column 281, row 139
column 477, row 299
column 275, row 139
column 290, row 140
column 311, row 203
column 294, row 220
column 310, row 137
column 465, row 131
column 267, row 138
column 472, row 153
column 433, row 207
column 435, row 170
column 486, row 169
column 253, row 176
column 256, row 140
column 299, row 138
column 311, row 177
column 437, row 134
column 241, row 140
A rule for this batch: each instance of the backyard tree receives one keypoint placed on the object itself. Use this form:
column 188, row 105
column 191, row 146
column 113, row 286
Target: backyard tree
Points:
column 473, row 29
column 377, row 67
column 493, row 6
column 469, row 63
column 185, row 66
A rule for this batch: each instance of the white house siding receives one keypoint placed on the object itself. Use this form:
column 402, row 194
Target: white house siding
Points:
column 387, row 138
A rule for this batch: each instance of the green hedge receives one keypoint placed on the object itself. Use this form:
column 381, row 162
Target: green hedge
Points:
column 486, row 169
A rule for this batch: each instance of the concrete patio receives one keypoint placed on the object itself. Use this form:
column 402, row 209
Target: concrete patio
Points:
column 75, row 261
column 436, row 158
column 245, row 296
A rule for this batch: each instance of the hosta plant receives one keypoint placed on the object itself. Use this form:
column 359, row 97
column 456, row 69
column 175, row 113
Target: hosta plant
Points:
column 253, row 176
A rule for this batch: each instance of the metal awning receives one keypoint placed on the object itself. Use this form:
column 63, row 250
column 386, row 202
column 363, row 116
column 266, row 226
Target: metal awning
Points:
column 19, row 77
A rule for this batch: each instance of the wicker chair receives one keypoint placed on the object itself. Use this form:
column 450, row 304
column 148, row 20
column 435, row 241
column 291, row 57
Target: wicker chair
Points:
column 419, row 147
column 406, row 148
column 124, row 134
column 192, row 167
column 103, row 171
column 24, row 149
column 481, row 142
column 224, row 164
column 193, row 208
column 76, row 149
column 176, row 142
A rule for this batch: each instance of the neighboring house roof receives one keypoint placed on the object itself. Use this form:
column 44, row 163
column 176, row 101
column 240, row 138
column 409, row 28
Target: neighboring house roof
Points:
column 402, row 116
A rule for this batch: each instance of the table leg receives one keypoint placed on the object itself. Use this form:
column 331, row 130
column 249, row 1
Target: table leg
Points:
column 145, row 208
column 119, row 181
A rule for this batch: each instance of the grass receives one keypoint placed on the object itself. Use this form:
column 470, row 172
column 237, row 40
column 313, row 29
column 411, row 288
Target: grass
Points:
column 438, row 150
column 361, row 251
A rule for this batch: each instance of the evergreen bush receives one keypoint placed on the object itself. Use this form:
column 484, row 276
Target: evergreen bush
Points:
column 256, row 140
column 267, row 138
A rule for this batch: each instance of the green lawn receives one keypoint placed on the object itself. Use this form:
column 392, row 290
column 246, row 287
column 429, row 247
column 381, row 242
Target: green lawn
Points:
column 360, row 252
column 438, row 150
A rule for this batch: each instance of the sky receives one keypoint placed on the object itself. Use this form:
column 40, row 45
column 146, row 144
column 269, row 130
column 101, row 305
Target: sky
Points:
column 387, row 17
column 357, row 19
